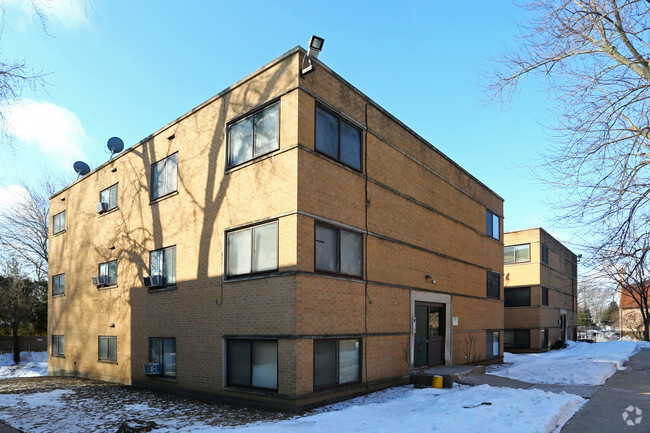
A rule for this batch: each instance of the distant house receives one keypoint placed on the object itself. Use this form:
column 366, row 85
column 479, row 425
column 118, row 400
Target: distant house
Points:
column 540, row 291
column 630, row 317
column 288, row 242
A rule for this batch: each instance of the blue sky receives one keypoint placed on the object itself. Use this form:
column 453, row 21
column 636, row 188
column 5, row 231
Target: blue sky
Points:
column 119, row 68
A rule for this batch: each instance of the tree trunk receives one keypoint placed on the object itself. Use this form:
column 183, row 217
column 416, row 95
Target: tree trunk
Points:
column 646, row 330
column 14, row 333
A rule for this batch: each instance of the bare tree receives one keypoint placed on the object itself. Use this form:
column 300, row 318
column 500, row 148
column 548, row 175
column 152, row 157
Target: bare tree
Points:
column 630, row 267
column 594, row 296
column 593, row 57
column 24, row 227
column 22, row 301
column 15, row 75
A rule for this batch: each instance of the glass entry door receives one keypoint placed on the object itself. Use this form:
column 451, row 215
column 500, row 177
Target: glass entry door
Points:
column 429, row 335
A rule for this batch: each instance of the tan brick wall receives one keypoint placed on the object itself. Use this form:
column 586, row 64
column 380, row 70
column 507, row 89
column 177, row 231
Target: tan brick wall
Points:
column 424, row 215
column 556, row 276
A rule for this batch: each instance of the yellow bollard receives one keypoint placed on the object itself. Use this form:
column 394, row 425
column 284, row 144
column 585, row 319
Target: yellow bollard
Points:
column 437, row 382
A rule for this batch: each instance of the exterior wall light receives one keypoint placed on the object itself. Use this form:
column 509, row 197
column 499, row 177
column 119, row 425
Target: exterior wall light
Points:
column 315, row 45
column 430, row 279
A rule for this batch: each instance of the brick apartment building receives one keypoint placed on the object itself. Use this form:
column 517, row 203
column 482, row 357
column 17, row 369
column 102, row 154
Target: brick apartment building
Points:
column 299, row 244
column 630, row 319
column 540, row 291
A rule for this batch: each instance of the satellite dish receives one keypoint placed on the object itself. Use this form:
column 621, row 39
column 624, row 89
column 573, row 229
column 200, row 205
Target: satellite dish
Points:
column 81, row 168
column 115, row 145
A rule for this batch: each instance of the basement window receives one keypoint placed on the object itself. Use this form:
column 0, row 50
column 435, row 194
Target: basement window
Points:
column 58, row 345
column 253, row 363
column 336, row 362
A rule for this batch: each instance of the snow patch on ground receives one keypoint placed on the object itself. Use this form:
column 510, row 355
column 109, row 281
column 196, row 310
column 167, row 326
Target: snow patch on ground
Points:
column 402, row 409
column 31, row 364
column 461, row 409
column 578, row 364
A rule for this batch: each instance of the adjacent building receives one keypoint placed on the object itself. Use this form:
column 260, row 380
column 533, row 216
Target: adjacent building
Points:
column 540, row 291
column 287, row 242
column 630, row 317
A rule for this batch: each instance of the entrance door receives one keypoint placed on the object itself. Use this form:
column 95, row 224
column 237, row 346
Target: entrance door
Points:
column 429, row 335
column 563, row 325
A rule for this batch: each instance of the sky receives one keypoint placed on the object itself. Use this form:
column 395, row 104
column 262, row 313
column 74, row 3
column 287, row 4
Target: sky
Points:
column 127, row 68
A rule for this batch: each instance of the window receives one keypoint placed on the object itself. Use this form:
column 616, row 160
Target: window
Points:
column 163, row 263
column 58, row 284
column 253, row 250
column 58, row 343
column 253, row 363
column 492, row 225
column 109, row 196
column 517, row 338
column 544, row 254
column 107, row 348
column 545, row 296
column 516, row 254
column 518, row 297
column 574, row 271
column 337, row 138
column 58, row 223
column 338, row 251
column 163, row 352
column 254, row 135
column 492, row 346
column 493, row 285
column 164, row 176
column 109, row 270
column 336, row 362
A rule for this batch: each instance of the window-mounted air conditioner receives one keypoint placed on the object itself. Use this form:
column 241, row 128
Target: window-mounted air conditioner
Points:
column 152, row 281
column 100, row 280
column 101, row 207
column 151, row 368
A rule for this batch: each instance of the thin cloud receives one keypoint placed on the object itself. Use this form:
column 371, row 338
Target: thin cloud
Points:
column 10, row 196
column 55, row 131
column 68, row 15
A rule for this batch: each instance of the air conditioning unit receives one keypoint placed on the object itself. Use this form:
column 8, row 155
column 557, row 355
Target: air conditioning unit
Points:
column 151, row 368
column 152, row 281
column 101, row 207
column 100, row 280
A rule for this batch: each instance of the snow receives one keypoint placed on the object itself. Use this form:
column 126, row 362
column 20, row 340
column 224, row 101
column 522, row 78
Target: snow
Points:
column 402, row 409
column 31, row 364
column 461, row 409
column 578, row 364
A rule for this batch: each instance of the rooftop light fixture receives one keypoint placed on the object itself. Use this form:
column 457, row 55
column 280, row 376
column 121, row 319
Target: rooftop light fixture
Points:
column 315, row 45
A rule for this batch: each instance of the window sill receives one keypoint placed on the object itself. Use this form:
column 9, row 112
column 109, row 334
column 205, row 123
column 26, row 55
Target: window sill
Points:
column 59, row 295
column 58, row 233
column 107, row 361
column 240, row 277
column 112, row 286
column 162, row 289
column 251, row 390
column 57, row 356
column 163, row 197
column 109, row 211
column 328, row 388
column 337, row 274
column 163, row 378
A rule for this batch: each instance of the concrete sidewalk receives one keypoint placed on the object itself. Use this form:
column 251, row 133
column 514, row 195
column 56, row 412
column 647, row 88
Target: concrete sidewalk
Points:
column 626, row 389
